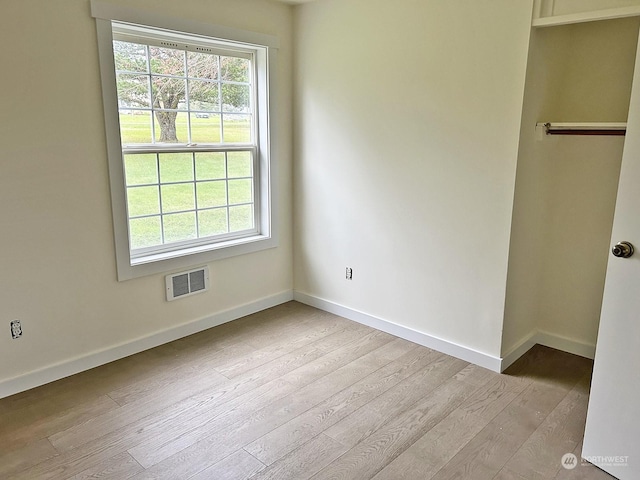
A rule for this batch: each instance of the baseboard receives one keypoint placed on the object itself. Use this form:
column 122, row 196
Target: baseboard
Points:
column 550, row 340
column 444, row 346
column 569, row 345
column 522, row 347
column 71, row 367
column 86, row 362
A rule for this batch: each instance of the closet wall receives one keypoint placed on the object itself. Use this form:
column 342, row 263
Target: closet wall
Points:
column 566, row 185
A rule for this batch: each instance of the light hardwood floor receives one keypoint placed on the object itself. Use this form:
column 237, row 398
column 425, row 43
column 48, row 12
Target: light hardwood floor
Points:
column 297, row 393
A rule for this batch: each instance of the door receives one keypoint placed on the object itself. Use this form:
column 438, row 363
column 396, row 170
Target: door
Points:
column 612, row 436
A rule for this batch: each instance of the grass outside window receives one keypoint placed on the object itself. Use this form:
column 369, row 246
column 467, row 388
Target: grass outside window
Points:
column 219, row 184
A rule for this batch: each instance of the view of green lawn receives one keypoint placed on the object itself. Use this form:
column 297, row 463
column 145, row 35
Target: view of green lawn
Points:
column 219, row 182
column 136, row 128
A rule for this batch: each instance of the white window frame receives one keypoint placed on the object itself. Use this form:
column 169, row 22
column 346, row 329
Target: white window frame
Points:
column 265, row 48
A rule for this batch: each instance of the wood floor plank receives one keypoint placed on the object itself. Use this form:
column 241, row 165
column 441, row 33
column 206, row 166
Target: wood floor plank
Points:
column 475, row 375
column 493, row 397
column 239, row 364
column 194, row 355
column 94, row 452
column 83, row 387
column 488, row 452
column 312, row 395
column 237, row 466
column 313, row 354
column 540, row 455
column 152, row 427
column 83, row 458
column 241, row 398
column 304, row 461
column 19, row 430
column 278, row 366
column 372, row 454
column 211, row 449
column 189, row 429
column 306, row 426
column 127, row 414
column 439, row 445
column 311, row 320
column 547, row 366
column 147, row 429
column 506, row 474
column 424, row 458
column 118, row 467
column 312, row 371
column 191, row 384
column 395, row 401
column 167, row 376
column 271, row 326
column 23, row 458
column 218, row 345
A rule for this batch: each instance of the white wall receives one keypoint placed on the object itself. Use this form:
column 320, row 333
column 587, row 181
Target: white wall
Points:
column 58, row 262
column 528, row 239
column 566, row 186
column 407, row 127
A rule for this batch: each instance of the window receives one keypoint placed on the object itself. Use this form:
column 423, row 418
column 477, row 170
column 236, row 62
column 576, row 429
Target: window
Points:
column 188, row 139
column 186, row 114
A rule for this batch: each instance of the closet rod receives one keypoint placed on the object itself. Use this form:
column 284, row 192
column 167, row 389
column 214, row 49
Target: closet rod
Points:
column 592, row 128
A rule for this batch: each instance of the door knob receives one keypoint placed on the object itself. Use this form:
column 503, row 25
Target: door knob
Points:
column 623, row 250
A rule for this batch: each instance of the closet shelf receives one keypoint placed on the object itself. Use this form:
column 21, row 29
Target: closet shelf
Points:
column 591, row 128
column 581, row 17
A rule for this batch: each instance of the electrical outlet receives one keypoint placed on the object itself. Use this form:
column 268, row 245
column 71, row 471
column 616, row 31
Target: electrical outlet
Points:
column 349, row 273
column 16, row 329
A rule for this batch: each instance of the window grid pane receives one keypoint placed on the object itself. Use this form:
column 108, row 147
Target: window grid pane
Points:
column 178, row 89
column 172, row 199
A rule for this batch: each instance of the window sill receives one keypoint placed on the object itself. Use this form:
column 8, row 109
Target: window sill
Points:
column 188, row 257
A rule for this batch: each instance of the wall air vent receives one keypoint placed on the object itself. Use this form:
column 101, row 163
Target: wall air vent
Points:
column 184, row 284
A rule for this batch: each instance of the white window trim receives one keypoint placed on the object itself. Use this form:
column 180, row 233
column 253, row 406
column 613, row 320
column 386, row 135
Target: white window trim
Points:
column 104, row 13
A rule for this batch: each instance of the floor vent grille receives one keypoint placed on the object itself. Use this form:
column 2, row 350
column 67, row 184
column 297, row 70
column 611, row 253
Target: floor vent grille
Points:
column 184, row 284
